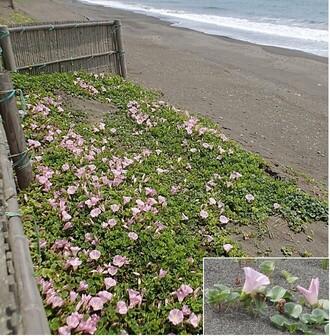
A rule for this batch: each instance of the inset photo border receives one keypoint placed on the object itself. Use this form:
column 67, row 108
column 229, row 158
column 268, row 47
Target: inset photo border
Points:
column 266, row 296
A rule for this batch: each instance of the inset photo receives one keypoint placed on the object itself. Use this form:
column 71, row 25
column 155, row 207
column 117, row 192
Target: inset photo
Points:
column 266, row 296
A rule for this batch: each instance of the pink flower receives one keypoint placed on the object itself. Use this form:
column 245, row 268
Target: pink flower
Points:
column 203, row 214
column 223, row 219
column 73, row 296
column 183, row 291
column 175, row 316
column 73, row 320
column 95, row 255
column 234, row 175
column 212, row 201
column 95, row 212
column 135, row 298
column 96, row 303
column 311, row 294
column 65, row 330
column 119, row 260
column 83, row 285
column 276, row 206
column 253, row 280
column 162, row 273
column 65, row 167
column 75, row 250
column 65, row 216
column 55, row 301
column 105, row 296
column 114, row 207
column 89, row 326
column 249, row 197
column 227, row 247
column 135, row 211
column 126, row 199
column 185, row 310
column 109, row 282
column 121, row 308
column 74, row 263
column 194, row 320
column 133, row 235
column 71, row 190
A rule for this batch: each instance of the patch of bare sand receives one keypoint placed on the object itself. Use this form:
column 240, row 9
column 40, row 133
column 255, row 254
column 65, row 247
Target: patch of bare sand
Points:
column 275, row 238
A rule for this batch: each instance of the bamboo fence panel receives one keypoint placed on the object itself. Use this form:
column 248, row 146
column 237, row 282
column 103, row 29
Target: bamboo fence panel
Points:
column 68, row 46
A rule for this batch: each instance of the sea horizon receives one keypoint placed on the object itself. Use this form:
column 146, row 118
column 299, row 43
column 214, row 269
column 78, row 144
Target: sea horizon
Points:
column 284, row 24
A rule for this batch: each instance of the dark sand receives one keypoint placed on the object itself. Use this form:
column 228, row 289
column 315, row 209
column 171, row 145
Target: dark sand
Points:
column 273, row 101
column 225, row 271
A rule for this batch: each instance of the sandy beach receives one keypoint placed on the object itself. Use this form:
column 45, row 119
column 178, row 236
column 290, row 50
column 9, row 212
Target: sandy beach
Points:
column 273, row 101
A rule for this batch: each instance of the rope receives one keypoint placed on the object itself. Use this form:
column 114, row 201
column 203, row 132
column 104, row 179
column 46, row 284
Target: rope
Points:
column 10, row 95
column 3, row 34
column 11, row 214
column 23, row 156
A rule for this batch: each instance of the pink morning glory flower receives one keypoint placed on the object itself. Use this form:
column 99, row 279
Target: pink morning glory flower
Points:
column 71, row 190
column 276, row 206
column 249, row 197
column 96, row 303
column 95, row 212
column 186, row 310
column 133, row 235
column 74, row 263
column 65, row 330
column 135, row 298
column 175, row 316
column 109, row 282
column 119, row 260
column 83, row 285
column 227, row 247
column 253, row 280
column 126, row 199
column 311, row 294
column 95, row 255
column 194, row 320
column 203, row 214
column 162, row 273
column 121, row 308
column 105, row 296
column 183, row 291
column 184, row 217
column 73, row 320
column 114, row 207
column 223, row 219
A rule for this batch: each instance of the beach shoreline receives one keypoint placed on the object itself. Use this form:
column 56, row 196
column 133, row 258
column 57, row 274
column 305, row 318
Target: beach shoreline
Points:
column 273, row 101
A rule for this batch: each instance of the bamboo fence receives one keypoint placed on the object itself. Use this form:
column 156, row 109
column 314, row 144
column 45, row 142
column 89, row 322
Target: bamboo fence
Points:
column 66, row 46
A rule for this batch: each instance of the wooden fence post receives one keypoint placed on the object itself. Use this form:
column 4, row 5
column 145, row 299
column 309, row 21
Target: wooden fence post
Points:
column 121, row 50
column 7, row 49
column 14, row 131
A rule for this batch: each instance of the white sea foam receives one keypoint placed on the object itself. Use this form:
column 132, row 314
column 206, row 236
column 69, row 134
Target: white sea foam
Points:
column 262, row 31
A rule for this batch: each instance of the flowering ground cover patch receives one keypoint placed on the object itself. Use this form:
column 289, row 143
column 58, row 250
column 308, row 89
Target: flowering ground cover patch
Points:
column 123, row 210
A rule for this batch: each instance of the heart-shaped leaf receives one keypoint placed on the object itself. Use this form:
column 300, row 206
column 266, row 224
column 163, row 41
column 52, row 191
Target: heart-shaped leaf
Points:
column 279, row 320
column 293, row 309
column 276, row 293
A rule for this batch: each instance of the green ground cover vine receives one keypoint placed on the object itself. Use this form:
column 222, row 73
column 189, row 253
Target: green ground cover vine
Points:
column 123, row 210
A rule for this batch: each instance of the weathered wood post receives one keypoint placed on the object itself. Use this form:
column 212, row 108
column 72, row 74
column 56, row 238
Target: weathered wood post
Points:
column 121, row 50
column 7, row 49
column 14, row 131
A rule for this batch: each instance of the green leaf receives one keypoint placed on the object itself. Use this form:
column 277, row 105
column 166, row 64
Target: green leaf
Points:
column 293, row 309
column 232, row 296
column 319, row 315
column 292, row 279
column 267, row 266
column 279, row 320
column 306, row 318
column 326, row 329
column 276, row 293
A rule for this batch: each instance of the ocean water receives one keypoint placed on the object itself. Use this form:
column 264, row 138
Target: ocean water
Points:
column 292, row 24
